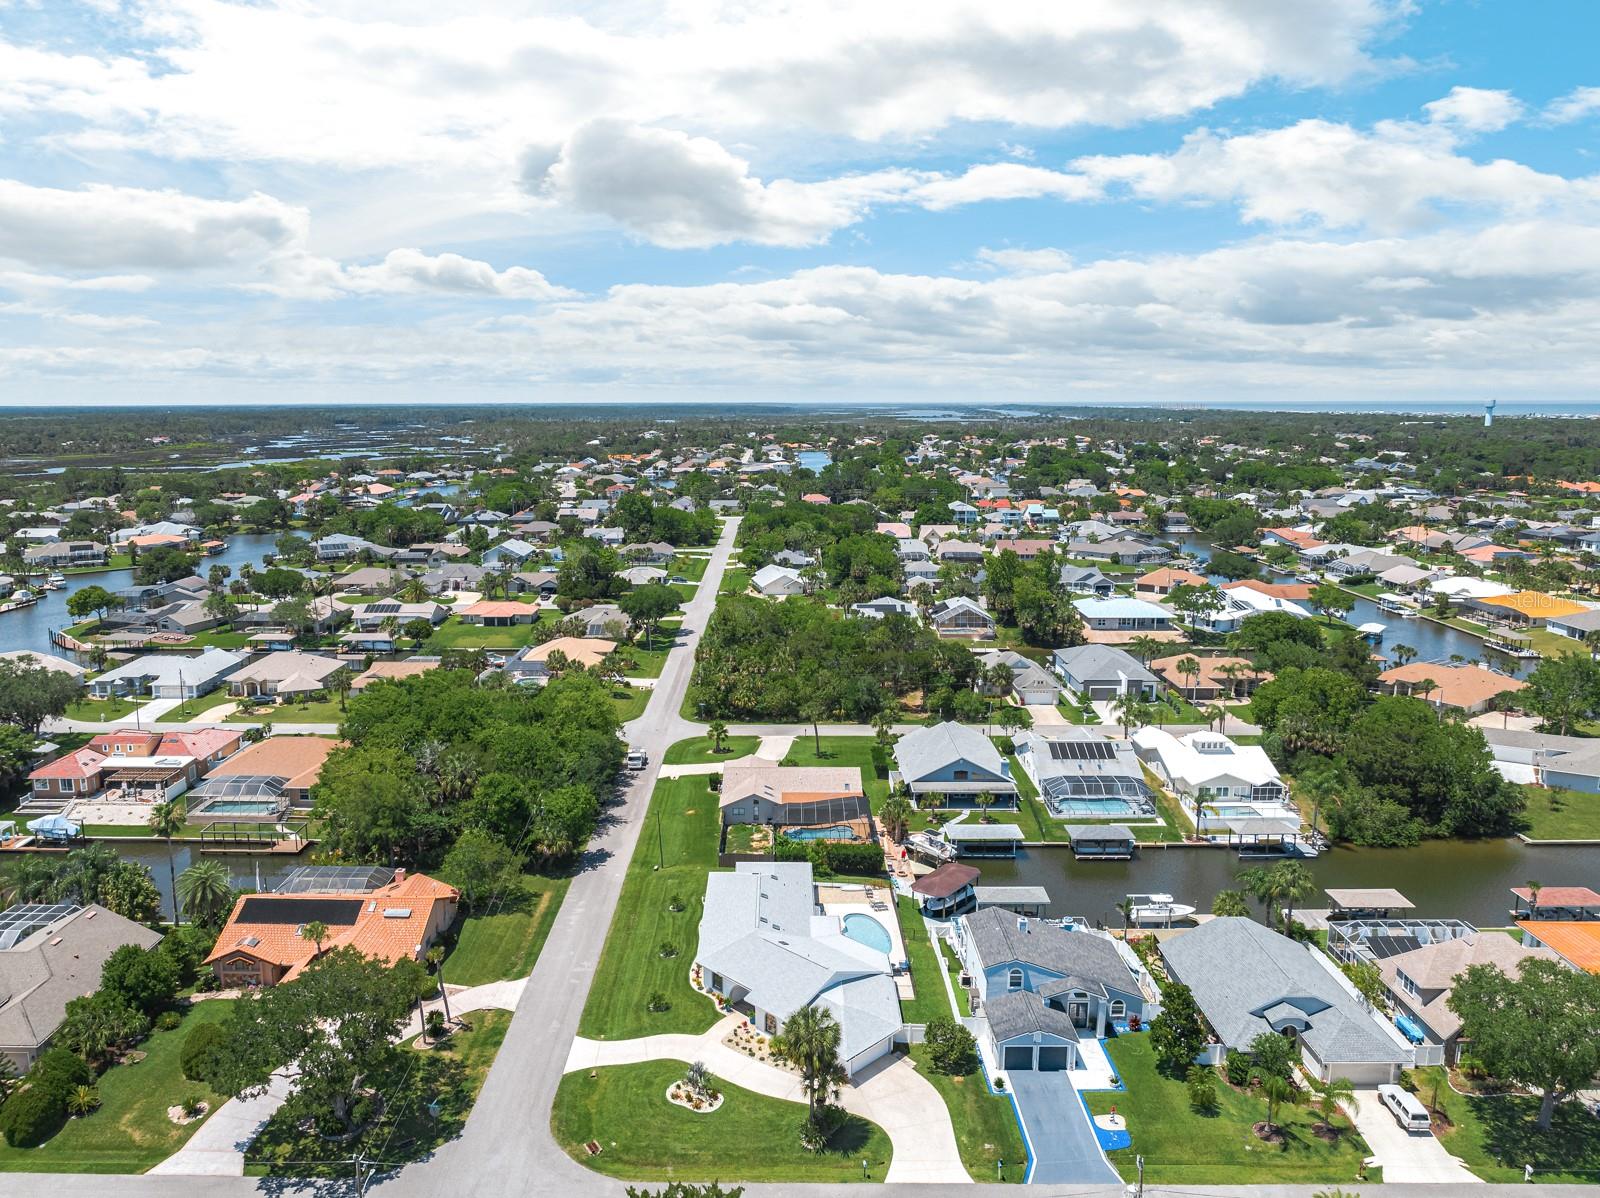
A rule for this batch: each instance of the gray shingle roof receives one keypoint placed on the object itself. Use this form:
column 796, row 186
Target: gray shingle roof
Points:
column 920, row 753
column 1081, row 956
column 1241, row 971
column 1021, row 1013
column 1093, row 663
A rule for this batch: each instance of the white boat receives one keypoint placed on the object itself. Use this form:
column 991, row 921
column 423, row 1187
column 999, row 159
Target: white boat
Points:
column 56, row 581
column 19, row 598
column 1156, row 910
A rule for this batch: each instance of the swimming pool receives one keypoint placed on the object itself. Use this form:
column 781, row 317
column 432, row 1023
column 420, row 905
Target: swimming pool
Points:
column 863, row 929
column 837, row 832
column 1098, row 808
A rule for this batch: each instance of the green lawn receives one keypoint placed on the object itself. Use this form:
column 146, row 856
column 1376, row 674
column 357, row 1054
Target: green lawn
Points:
column 735, row 581
column 749, row 1138
column 931, row 1000
column 453, row 634
column 317, row 711
column 681, row 831
column 861, row 751
column 450, row 1074
column 630, row 702
column 1496, row 1137
column 131, row 1131
column 102, row 709
column 985, row 1123
column 1556, row 814
column 114, row 561
column 1183, row 1147
column 698, row 750
column 689, row 566
column 195, row 709
column 504, row 941
column 219, row 638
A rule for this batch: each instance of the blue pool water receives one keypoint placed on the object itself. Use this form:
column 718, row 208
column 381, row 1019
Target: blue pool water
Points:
column 1097, row 808
column 863, row 929
column 837, row 832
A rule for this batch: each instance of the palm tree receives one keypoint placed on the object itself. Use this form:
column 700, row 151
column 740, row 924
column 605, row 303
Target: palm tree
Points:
column 1144, row 647
column 718, row 732
column 414, row 591
column 1403, row 654
column 895, row 816
column 1260, row 885
column 883, row 729
column 810, row 1042
column 316, row 931
column 1129, row 708
column 1277, row 1091
column 1294, row 884
column 166, row 821
column 1215, row 713
column 1125, row 909
column 1333, row 1092
column 205, row 890
column 1189, row 667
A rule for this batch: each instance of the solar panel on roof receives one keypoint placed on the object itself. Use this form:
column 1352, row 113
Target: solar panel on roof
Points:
column 1081, row 750
column 335, row 912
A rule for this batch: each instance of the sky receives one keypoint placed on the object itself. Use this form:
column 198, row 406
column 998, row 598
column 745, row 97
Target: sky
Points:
column 1167, row 201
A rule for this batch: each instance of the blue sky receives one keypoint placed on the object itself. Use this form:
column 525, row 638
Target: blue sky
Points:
column 1140, row 200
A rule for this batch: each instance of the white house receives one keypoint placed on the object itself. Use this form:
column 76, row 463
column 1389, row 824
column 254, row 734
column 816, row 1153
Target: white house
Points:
column 767, row 947
column 777, row 582
column 1220, row 783
column 168, row 676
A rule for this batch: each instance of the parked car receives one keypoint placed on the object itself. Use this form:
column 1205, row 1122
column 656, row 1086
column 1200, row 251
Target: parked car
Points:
column 1407, row 1111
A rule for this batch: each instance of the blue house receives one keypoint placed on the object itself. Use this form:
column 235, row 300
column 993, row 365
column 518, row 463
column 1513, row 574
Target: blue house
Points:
column 954, row 764
column 1043, row 988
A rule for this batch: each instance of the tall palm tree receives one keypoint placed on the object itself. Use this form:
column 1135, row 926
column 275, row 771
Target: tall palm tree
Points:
column 1189, row 668
column 205, row 890
column 1294, row 884
column 1125, row 909
column 810, row 1042
column 166, row 821
column 1144, row 647
column 1260, row 885
column 718, row 732
column 1403, row 654
column 895, row 816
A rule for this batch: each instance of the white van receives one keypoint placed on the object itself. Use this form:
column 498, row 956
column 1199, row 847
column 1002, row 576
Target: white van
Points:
column 1407, row 1111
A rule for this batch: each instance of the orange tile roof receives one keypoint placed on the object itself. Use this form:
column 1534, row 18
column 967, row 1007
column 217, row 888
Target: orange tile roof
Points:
column 1171, row 576
column 374, row 933
column 297, row 758
column 492, row 607
column 1559, row 896
column 1536, row 604
column 1576, row 940
column 1586, row 488
column 1455, row 686
column 1278, row 590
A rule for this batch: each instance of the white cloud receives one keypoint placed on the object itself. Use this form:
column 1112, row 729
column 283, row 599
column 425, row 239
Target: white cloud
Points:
column 366, row 84
column 1400, row 175
column 687, row 191
column 23, row 280
column 1004, row 181
column 1475, row 109
column 1574, row 106
column 101, row 227
column 1511, row 307
column 404, row 272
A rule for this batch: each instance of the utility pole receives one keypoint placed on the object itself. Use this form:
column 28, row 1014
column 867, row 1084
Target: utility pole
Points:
column 1139, row 1161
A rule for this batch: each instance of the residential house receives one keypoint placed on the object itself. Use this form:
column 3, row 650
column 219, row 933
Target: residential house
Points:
column 1041, row 988
column 1087, row 580
column 1577, row 626
column 261, row 944
column 1030, row 682
column 769, row 950
column 1526, row 608
column 51, row 954
column 602, row 620
column 1565, row 762
column 1158, row 584
column 1119, row 614
column 284, row 676
column 498, row 613
column 341, row 546
column 776, row 582
column 1125, row 550
column 654, row 553
column 877, row 609
column 167, row 676
column 1214, row 677
column 954, row 764
column 1223, row 785
column 513, row 553
column 291, row 763
column 1248, row 980
column 64, row 555
column 370, row 580
column 1076, row 770
column 828, row 802
column 531, row 665
column 391, row 671
column 534, row 582
column 1471, row 689
column 959, row 616
column 454, row 577
column 1102, row 672
column 371, row 617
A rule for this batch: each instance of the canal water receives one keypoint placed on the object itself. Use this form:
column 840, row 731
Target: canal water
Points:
column 30, row 627
column 1433, row 642
column 1468, row 880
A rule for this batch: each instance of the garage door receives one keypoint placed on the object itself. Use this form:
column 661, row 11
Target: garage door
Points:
column 1019, row 1058
column 1053, row 1060
column 1102, row 692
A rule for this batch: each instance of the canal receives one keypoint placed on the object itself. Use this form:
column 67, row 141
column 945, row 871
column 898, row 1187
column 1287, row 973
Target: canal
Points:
column 30, row 627
column 1467, row 880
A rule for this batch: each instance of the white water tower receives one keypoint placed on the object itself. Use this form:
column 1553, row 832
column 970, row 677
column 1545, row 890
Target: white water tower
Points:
column 1488, row 414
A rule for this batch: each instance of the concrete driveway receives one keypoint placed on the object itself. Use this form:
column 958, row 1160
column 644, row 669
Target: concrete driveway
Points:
column 1405, row 1156
column 1060, row 1137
